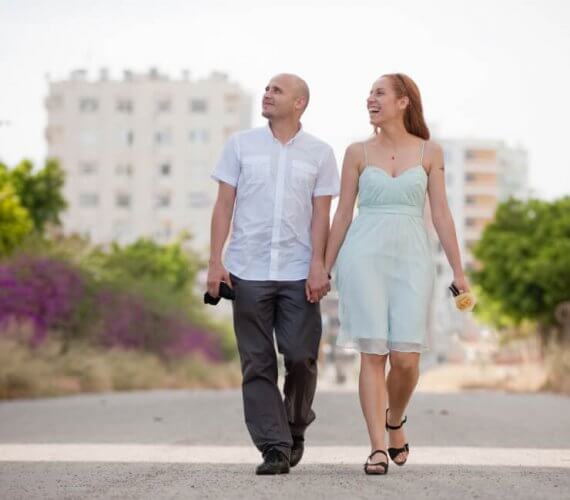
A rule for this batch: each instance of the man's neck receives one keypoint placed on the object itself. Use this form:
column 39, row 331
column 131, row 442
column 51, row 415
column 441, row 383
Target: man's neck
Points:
column 284, row 130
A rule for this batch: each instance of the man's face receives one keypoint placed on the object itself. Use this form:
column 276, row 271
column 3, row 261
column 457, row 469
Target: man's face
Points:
column 281, row 98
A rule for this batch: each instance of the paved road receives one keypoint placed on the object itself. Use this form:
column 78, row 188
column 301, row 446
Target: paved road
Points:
column 182, row 444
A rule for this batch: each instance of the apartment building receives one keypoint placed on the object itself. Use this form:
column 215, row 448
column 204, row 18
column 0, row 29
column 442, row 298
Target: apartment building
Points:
column 138, row 151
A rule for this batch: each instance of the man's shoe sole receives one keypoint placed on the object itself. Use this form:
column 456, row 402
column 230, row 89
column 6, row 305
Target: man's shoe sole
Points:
column 267, row 473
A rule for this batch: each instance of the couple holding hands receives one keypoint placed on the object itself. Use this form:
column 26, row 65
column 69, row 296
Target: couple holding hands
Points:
column 276, row 184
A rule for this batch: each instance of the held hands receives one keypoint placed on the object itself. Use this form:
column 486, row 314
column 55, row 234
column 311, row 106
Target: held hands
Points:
column 318, row 283
column 217, row 273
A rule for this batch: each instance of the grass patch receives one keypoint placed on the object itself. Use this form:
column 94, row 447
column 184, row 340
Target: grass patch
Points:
column 558, row 369
column 45, row 371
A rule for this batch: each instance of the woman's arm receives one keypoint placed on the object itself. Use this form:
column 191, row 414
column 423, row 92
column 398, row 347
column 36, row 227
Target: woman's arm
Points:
column 441, row 215
column 345, row 209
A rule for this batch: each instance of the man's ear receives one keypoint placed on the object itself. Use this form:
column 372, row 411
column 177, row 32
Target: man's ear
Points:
column 301, row 103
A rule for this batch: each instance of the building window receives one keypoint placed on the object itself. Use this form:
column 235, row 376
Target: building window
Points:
column 121, row 229
column 163, row 137
column 231, row 102
column 126, row 137
column 164, row 232
column 124, row 170
column 470, row 222
column 87, row 138
column 125, row 106
column 199, row 106
column 87, row 168
column 470, row 200
column 199, row 199
column 54, row 134
column 484, row 155
column 54, row 102
column 165, row 169
column 88, row 199
column 88, row 105
column 199, row 136
column 163, row 200
column 163, row 105
column 470, row 177
column 123, row 200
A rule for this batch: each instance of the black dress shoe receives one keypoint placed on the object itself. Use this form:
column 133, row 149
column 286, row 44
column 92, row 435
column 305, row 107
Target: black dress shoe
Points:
column 274, row 462
column 297, row 450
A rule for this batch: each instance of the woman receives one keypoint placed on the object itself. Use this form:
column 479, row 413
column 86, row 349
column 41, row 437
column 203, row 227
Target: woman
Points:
column 385, row 272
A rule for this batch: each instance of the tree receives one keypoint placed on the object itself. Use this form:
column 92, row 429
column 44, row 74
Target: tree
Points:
column 525, row 260
column 39, row 192
column 15, row 223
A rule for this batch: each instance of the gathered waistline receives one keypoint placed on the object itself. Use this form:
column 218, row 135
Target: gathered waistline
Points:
column 392, row 209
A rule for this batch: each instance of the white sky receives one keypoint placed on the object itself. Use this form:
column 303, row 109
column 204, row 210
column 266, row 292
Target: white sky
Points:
column 487, row 68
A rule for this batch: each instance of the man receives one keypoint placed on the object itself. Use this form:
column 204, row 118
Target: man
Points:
column 281, row 181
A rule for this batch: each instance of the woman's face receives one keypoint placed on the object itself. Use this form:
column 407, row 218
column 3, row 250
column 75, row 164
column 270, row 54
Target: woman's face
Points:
column 383, row 103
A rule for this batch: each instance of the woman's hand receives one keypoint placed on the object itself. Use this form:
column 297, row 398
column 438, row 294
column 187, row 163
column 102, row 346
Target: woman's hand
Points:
column 460, row 281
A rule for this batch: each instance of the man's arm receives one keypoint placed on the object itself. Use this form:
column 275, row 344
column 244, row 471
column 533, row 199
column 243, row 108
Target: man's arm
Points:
column 220, row 228
column 318, row 281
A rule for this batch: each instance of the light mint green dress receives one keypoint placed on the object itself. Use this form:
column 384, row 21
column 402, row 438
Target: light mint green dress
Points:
column 385, row 271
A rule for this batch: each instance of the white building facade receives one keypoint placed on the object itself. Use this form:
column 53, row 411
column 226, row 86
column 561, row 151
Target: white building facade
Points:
column 138, row 152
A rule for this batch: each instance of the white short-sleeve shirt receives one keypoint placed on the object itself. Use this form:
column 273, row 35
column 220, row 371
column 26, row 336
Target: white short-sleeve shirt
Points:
column 275, row 185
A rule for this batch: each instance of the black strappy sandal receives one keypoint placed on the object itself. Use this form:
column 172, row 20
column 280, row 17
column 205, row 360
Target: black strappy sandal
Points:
column 384, row 465
column 394, row 452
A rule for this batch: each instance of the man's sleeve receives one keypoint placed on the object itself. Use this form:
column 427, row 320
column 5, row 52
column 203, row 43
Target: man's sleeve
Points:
column 328, row 182
column 228, row 167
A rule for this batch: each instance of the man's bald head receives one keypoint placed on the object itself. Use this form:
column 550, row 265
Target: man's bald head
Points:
column 299, row 85
column 290, row 87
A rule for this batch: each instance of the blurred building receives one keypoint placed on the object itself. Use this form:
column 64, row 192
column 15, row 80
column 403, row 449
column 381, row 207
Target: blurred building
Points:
column 138, row 152
column 479, row 174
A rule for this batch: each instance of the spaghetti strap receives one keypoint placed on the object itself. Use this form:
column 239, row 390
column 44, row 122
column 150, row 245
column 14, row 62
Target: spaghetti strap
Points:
column 422, row 153
column 365, row 155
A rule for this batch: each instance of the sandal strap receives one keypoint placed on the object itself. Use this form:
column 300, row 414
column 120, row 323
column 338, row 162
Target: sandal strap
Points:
column 394, row 427
column 394, row 452
column 374, row 453
column 384, row 465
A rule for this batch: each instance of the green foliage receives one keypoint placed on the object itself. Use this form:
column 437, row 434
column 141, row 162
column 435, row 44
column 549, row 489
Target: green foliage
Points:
column 525, row 260
column 163, row 274
column 15, row 222
column 39, row 192
column 145, row 259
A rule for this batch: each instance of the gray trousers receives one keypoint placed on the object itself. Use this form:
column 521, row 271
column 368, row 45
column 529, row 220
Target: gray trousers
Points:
column 260, row 308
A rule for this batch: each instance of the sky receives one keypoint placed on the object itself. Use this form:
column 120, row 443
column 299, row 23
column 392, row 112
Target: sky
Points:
column 486, row 69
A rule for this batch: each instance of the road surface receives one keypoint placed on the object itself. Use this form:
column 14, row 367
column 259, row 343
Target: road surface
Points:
column 193, row 444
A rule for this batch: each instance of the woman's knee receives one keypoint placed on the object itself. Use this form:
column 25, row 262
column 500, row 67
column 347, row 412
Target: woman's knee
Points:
column 404, row 362
column 377, row 361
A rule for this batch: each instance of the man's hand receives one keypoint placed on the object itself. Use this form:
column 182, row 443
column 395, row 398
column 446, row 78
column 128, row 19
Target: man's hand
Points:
column 318, row 283
column 216, row 273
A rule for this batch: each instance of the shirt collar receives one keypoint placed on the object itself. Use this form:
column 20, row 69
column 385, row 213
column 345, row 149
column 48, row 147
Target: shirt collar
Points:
column 299, row 133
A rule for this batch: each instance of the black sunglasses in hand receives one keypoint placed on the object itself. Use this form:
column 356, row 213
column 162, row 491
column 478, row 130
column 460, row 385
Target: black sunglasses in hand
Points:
column 225, row 291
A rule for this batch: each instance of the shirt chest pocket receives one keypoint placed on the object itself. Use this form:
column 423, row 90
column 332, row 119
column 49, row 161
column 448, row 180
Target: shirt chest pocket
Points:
column 255, row 169
column 303, row 173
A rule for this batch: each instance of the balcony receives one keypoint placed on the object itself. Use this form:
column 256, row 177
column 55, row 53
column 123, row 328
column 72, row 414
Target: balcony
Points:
column 479, row 211
column 473, row 188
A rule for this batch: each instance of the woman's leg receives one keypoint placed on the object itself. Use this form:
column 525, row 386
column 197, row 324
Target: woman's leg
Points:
column 372, row 391
column 402, row 379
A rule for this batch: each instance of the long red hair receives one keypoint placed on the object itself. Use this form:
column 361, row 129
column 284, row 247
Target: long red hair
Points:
column 414, row 120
